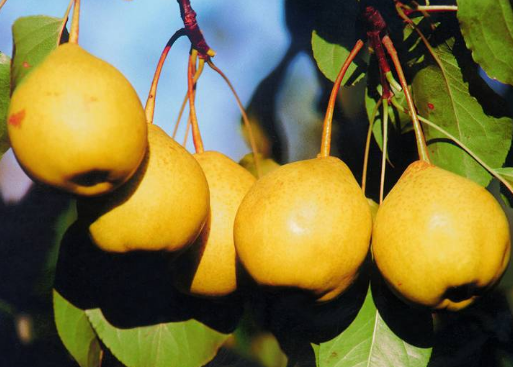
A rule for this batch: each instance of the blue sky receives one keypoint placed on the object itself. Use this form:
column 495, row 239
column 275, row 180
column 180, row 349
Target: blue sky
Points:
column 248, row 36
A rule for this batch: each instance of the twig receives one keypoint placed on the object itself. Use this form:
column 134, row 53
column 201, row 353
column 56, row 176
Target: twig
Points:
column 376, row 25
column 193, row 30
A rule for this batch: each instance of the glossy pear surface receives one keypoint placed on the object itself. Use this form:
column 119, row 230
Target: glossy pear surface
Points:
column 208, row 268
column 440, row 240
column 163, row 206
column 76, row 123
column 305, row 226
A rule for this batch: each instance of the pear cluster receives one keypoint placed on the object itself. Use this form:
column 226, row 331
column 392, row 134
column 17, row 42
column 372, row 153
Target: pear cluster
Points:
column 75, row 123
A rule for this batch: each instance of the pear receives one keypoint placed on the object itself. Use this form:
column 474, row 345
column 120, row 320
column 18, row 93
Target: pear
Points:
column 164, row 206
column 266, row 164
column 208, row 268
column 305, row 226
column 76, row 123
column 439, row 239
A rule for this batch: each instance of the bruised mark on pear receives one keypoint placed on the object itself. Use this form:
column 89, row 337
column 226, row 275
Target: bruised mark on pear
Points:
column 16, row 118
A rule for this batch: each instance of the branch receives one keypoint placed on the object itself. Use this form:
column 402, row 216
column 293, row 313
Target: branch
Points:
column 193, row 30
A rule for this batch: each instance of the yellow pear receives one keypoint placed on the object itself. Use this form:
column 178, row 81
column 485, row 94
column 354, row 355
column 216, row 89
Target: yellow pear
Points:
column 76, row 123
column 208, row 268
column 266, row 164
column 163, row 206
column 306, row 226
column 440, row 240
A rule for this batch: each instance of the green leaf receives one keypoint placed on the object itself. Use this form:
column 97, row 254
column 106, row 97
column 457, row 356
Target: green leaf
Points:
column 442, row 94
column 334, row 36
column 47, row 279
column 506, row 172
column 331, row 56
column 5, row 97
column 316, row 348
column 399, row 121
column 76, row 332
column 506, row 282
column 370, row 342
column 181, row 344
column 487, row 27
column 34, row 38
column 266, row 350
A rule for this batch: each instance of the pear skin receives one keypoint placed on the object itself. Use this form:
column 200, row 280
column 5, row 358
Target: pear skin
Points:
column 163, row 207
column 439, row 239
column 305, row 226
column 77, row 124
column 208, row 268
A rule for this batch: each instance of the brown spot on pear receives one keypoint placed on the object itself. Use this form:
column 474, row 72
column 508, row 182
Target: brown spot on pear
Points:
column 16, row 118
column 163, row 207
column 62, row 136
column 444, row 239
column 209, row 267
column 305, row 226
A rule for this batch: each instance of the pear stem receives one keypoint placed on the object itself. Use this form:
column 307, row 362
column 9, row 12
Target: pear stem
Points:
column 436, row 8
column 73, row 34
column 328, row 119
column 65, row 20
column 196, row 135
column 419, row 135
column 189, row 121
column 186, row 98
column 187, row 129
column 461, row 144
column 384, row 152
column 252, row 141
column 2, row 3
column 180, row 113
column 150, row 102
column 367, row 144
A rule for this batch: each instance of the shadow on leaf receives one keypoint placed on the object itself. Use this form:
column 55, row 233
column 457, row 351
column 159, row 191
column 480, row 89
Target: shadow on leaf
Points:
column 413, row 325
column 133, row 289
column 297, row 321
